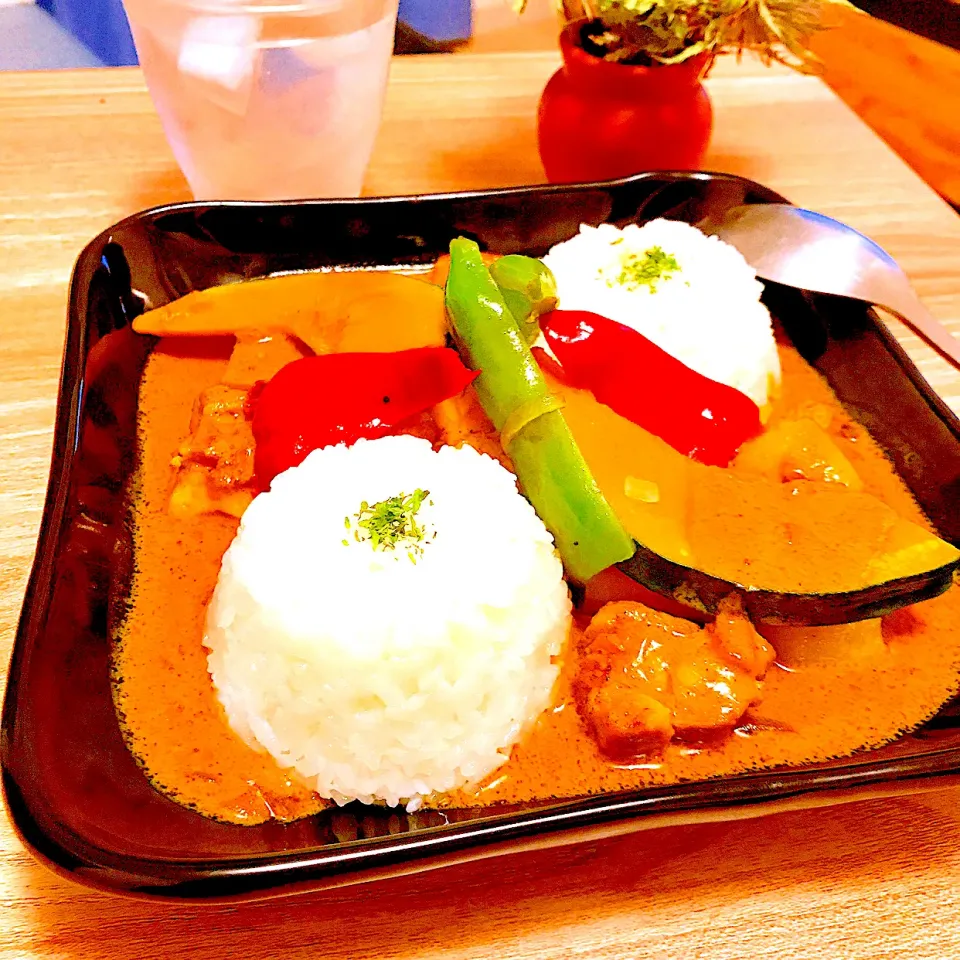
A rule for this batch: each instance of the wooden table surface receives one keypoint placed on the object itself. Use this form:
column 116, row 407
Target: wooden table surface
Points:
column 79, row 150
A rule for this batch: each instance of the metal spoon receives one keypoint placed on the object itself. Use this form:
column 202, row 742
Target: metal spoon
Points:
column 814, row 252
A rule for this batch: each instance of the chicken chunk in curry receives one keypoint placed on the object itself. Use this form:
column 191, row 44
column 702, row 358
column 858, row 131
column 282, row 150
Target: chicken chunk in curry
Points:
column 646, row 678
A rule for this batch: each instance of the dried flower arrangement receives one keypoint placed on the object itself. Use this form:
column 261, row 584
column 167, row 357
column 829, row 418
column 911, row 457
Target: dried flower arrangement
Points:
column 646, row 32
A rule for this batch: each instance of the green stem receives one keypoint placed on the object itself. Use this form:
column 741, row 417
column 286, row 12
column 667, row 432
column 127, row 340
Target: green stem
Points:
column 549, row 466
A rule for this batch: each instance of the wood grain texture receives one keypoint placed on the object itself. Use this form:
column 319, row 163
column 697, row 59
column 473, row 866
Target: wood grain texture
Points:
column 80, row 150
column 497, row 28
column 907, row 88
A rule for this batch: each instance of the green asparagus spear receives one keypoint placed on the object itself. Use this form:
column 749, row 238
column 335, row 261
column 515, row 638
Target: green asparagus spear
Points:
column 528, row 288
column 550, row 468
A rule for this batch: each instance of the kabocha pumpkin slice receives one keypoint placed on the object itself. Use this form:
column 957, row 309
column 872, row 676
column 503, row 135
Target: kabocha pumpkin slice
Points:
column 329, row 312
column 796, row 450
column 925, row 571
column 833, row 554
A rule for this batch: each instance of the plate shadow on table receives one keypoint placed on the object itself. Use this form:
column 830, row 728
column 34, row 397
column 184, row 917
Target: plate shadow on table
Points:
column 632, row 884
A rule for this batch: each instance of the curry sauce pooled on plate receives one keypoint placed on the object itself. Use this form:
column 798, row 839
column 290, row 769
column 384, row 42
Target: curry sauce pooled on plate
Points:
column 340, row 594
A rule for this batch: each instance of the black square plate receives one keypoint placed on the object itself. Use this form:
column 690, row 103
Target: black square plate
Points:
column 75, row 793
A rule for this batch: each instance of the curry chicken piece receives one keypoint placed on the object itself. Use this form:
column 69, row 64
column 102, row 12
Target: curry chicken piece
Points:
column 646, row 677
column 221, row 436
column 215, row 472
column 215, row 463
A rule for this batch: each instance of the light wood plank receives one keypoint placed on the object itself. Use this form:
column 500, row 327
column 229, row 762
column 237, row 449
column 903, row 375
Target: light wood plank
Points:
column 907, row 88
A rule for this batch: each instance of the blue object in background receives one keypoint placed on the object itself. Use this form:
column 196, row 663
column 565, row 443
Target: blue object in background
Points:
column 30, row 39
column 104, row 37
column 100, row 25
column 442, row 21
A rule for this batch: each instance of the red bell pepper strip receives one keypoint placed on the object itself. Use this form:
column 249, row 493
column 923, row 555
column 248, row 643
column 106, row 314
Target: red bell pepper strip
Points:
column 340, row 397
column 697, row 416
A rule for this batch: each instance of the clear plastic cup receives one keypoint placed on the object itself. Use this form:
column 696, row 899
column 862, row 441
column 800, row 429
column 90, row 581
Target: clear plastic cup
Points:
column 267, row 99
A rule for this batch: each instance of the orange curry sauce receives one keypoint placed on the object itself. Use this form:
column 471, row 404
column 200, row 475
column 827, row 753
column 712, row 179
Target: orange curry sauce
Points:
column 178, row 732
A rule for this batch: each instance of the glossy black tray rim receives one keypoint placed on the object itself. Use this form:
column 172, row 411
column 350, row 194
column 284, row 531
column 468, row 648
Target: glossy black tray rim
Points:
column 564, row 823
column 216, row 880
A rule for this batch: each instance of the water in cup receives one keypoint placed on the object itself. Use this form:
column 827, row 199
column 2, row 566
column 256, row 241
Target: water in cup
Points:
column 267, row 101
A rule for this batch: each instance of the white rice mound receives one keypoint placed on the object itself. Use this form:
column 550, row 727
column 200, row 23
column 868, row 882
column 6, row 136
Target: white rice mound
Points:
column 708, row 315
column 372, row 677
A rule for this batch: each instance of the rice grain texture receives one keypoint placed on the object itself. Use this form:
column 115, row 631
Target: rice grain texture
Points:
column 707, row 313
column 370, row 676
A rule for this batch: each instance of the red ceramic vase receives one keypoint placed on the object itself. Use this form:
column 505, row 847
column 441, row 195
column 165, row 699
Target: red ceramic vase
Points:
column 600, row 120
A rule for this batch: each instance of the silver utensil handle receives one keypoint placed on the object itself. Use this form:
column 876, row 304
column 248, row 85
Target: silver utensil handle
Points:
column 915, row 315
